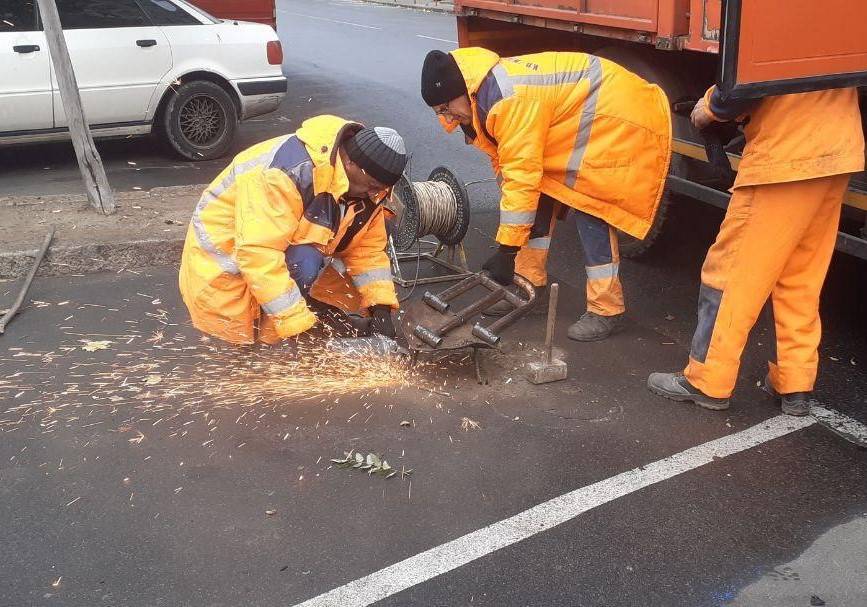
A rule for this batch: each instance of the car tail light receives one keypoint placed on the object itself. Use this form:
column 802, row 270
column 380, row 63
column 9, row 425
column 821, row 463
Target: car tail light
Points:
column 275, row 53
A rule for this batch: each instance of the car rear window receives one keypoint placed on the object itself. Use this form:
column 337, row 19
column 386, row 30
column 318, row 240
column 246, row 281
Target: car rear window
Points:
column 99, row 14
column 198, row 11
column 17, row 15
column 163, row 12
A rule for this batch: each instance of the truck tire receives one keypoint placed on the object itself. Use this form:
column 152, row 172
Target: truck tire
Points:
column 633, row 248
column 199, row 121
column 640, row 61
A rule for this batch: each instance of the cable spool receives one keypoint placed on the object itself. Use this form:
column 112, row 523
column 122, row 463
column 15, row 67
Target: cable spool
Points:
column 437, row 207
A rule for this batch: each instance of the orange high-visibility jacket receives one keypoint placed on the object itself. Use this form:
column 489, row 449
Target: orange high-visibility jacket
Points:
column 579, row 128
column 283, row 192
column 800, row 136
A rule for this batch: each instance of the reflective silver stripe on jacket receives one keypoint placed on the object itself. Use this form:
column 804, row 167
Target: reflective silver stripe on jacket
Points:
column 225, row 261
column 609, row 270
column 283, row 302
column 517, row 217
column 554, row 79
column 585, row 123
column 542, row 243
column 338, row 265
column 504, row 81
column 376, row 275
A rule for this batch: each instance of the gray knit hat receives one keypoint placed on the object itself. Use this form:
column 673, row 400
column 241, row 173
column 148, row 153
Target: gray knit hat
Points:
column 380, row 152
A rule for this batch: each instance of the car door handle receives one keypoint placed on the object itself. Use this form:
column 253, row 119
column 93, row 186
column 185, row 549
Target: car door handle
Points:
column 26, row 48
column 146, row 43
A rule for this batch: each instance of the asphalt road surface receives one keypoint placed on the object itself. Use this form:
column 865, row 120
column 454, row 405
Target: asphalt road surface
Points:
column 158, row 469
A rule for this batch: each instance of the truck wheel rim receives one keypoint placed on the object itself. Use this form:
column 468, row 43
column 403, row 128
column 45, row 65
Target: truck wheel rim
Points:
column 202, row 120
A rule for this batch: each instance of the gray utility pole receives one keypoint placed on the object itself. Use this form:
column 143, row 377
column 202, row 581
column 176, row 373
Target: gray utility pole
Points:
column 95, row 182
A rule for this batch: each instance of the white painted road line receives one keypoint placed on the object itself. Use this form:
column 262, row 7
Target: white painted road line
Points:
column 547, row 515
column 370, row 27
column 850, row 429
column 437, row 39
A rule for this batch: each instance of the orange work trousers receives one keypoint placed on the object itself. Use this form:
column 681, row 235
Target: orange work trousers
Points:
column 774, row 245
column 601, row 257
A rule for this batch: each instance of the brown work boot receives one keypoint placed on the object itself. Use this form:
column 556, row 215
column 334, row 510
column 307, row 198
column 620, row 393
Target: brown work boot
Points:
column 540, row 304
column 595, row 327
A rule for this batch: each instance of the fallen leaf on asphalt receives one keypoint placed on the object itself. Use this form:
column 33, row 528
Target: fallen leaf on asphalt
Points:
column 93, row 346
column 270, row 512
column 468, row 424
column 152, row 380
column 405, row 423
column 669, row 317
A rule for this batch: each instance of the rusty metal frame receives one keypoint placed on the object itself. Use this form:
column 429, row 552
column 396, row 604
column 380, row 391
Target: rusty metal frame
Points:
column 432, row 324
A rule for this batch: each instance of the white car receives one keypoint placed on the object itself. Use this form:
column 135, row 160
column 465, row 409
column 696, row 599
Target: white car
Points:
column 143, row 66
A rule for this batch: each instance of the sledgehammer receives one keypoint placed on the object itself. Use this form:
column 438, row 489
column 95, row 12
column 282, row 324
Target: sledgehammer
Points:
column 549, row 369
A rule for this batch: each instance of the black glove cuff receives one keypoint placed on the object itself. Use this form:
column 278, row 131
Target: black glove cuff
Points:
column 379, row 309
column 509, row 249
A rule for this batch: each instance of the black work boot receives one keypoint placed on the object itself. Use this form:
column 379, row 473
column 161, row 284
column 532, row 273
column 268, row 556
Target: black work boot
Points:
column 794, row 403
column 675, row 386
column 595, row 327
column 540, row 304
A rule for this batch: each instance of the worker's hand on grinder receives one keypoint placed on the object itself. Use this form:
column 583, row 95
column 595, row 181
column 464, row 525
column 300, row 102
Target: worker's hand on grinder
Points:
column 380, row 321
column 501, row 266
column 700, row 117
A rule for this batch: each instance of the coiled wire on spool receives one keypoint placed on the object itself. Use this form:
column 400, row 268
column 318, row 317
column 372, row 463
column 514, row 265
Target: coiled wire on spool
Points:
column 438, row 207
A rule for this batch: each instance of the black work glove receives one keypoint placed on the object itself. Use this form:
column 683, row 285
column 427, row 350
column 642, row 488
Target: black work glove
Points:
column 501, row 266
column 335, row 322
column 380, row 321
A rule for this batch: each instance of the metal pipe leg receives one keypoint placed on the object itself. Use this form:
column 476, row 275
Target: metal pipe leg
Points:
column 480, row 373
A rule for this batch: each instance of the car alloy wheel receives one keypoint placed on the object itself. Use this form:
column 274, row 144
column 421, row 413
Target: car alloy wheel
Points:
column 202, row 120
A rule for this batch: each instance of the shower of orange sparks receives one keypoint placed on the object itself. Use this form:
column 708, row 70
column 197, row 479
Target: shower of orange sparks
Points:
column 196, row 380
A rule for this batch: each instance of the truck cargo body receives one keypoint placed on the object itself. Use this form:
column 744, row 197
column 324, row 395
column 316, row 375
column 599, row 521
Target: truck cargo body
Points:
column 258, row 11
column 750, row 48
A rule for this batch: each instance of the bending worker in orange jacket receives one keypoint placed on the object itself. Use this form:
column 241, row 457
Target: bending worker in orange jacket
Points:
column 256, row 257
column 562, row 130
column 774, row 245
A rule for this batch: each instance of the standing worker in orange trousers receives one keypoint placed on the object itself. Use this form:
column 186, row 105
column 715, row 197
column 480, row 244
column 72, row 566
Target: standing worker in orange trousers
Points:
column 563, row 130
column 774, row 245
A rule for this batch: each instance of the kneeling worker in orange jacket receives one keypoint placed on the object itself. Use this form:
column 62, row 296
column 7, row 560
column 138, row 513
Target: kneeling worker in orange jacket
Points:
column 774, row 245
column 292, row 229
column 563, row 130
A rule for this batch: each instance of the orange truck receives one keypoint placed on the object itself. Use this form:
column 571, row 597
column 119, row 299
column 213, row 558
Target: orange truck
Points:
column 749, row 48
column 260, row 11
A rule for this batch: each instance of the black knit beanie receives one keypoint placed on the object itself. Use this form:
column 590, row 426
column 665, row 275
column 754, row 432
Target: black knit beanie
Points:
column 441, row 79
column 380, row 152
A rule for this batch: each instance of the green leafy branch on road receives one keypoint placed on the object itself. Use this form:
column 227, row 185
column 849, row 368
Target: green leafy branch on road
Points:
column 372, row 464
